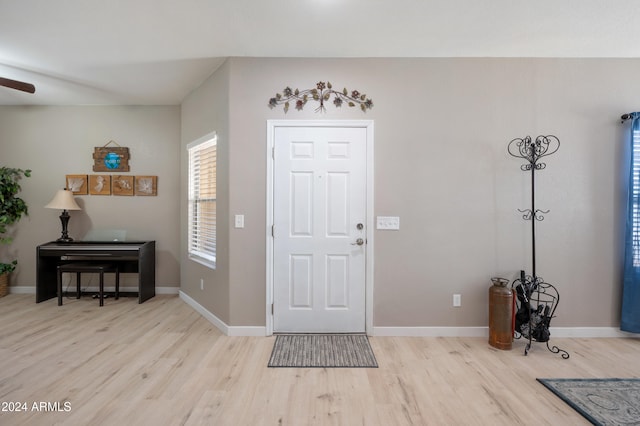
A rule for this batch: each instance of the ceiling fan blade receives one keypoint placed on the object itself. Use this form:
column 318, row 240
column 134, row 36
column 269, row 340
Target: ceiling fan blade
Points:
column 18, row 85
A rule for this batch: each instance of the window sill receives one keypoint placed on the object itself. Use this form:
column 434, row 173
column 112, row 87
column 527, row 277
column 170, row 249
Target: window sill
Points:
column 211, row 264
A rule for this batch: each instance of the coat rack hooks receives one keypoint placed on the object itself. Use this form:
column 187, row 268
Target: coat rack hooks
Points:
column 536, row 299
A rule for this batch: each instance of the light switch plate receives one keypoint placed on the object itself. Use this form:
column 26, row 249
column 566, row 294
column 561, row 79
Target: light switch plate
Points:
column 239, row 221
column 388, row 222
column 457, row 300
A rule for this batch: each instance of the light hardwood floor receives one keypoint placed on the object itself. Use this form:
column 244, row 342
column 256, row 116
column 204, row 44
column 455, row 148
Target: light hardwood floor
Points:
column 161, row 363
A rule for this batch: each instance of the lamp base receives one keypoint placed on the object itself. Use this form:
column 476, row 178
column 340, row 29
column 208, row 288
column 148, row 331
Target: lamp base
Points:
column 64, row 219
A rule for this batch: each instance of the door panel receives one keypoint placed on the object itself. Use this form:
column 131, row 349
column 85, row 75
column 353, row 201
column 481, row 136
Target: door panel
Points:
column 338, row 204
column 301, row 204
column 301, row 279
column 319, row 200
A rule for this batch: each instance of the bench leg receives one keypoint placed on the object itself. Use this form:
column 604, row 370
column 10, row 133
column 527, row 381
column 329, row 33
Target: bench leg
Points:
column 78, row 280
column 101, row 288
column 117, row 284
column 59, row 288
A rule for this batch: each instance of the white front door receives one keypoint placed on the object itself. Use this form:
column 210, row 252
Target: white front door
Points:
column 319, row 213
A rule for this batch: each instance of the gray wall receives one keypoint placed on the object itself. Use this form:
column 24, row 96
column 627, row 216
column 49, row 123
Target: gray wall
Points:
column 204, row 111
column 55, row 141
column 441, row 131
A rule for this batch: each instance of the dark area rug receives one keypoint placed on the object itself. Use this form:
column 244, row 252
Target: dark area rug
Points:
column 601, row 401
column 322, row 350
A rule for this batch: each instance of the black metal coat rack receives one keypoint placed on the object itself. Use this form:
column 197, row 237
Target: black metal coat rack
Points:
column 536, row 300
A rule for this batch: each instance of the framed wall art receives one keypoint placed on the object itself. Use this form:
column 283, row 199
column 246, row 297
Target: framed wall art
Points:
column 122, row 185
column 77, row 184
column 146, row 185
column 99, row 184
column 111, row 158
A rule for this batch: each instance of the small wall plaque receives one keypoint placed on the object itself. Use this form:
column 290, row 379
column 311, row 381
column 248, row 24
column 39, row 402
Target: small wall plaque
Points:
column 99, row 184
column 111, row 159
column 77, row 184
column 122, row 185
column 146, row 185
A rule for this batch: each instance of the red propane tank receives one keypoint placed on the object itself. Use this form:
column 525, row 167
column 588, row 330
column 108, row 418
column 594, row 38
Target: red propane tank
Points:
column 500, row 314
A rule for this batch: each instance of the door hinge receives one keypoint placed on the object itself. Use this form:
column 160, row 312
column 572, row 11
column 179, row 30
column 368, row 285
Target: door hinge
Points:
column 273, row 231
column 273, row 153
column 272, row 309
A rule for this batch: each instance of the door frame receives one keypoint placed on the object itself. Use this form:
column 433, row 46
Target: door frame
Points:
column 271, row 129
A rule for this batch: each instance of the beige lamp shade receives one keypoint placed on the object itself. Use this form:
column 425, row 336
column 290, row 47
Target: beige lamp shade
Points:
column 63, row 200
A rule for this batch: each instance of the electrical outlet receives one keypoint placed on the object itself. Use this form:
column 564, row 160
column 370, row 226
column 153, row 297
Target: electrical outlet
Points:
column 239, row 221
column 457, row 300
column 201, row 283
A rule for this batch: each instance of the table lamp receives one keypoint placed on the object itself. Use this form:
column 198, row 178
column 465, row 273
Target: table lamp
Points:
column 63, row 200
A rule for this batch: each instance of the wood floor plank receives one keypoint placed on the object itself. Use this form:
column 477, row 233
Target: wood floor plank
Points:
column 162, row 363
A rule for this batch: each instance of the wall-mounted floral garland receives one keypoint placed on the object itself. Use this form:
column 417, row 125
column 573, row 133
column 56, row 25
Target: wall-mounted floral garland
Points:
column 321, row 93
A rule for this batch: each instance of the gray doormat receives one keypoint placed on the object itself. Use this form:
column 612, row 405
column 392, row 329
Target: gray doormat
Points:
column 601, row 401
column 322, row 350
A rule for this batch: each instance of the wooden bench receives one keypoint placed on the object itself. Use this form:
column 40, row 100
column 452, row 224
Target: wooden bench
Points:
column 79, row 267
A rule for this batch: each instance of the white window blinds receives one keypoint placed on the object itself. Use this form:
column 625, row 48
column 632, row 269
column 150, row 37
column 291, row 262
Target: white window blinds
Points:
column 202, row 199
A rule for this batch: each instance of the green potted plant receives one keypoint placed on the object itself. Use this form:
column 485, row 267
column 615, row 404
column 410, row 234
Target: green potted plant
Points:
column 12, row 208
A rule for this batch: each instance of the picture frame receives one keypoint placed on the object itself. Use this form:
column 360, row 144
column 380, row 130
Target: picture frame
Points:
column 111, row 158
column 146, row 185
column 122, row 185
column 99, row 184
column 76, row 184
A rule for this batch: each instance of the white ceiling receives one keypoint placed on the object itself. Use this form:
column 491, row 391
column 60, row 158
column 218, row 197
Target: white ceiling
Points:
column 154, row 52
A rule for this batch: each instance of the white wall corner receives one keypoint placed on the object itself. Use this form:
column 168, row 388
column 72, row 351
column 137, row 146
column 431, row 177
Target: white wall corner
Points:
column 237, row 331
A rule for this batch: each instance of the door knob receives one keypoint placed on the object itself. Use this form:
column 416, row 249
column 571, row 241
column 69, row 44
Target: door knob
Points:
column 358, row 242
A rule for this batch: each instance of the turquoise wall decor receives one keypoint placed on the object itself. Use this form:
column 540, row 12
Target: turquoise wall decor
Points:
column 111, row 159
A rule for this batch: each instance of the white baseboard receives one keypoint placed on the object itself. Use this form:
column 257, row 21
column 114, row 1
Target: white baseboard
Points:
column 260, row 331
column 32, row 290
column 584, row 332
column 250, row 331
column 587, row 332
column 431, row 331
column 22, row 290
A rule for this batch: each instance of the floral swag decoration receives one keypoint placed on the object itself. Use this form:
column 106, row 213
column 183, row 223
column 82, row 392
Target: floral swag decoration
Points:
column 321, row 93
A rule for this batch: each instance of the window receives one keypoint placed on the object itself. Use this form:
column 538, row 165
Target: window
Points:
column 202, row 199
column 635, row 204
